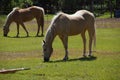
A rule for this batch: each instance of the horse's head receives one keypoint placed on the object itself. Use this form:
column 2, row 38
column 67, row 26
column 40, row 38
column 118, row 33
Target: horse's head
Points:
column 5, row 31
column 47, row 50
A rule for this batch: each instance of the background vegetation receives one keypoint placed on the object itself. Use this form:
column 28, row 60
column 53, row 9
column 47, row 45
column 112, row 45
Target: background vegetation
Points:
column 69, row 6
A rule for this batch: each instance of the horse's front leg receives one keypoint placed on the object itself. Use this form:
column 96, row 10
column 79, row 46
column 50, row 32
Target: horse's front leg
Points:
column 64, row 40
column 84, row 43
column 25, row 29
column 17, row 30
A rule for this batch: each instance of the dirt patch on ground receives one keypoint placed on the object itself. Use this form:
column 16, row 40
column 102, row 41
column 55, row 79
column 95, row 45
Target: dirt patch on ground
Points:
column 16, row 55
column 100, row 22
column 108, row 23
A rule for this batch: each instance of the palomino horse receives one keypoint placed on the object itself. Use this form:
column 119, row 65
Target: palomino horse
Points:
column 65, row 25
column 19, row 16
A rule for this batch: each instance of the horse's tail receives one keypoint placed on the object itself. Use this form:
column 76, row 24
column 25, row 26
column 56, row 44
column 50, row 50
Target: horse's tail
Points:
column 94, row 37
column 42, row 19
column 43, row 13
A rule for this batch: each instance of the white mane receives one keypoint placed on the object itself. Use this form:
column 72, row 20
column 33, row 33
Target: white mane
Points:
column 49, row 30
column 54, row 19
column 14, row 9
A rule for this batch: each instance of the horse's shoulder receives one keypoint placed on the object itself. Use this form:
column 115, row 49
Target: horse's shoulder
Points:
column 63, row 16
column 36, row 8
column 85, row 13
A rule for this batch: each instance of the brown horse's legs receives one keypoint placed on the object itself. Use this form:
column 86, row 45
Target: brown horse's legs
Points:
column 17, row 30
column 38, row 31
column 42, row 27
column 39, row 23
column 64, row 40
column 24, row 29
column 42, row 30
column 84, row 43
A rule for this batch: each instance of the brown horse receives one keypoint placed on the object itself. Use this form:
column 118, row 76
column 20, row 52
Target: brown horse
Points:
column 65, row 25
column 19, row 16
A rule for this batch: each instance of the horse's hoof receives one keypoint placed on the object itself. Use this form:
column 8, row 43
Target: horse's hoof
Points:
column 42, row 35
column 16, row 36
column 84, row 55
column 65, row 59
column 90, row 55
column 27, row 35
column 39, row 36
column 5, row 35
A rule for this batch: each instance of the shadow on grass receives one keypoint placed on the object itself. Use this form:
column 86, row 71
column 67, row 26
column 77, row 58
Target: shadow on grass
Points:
column 90, row 58
column 35, row 74
column 23, row 36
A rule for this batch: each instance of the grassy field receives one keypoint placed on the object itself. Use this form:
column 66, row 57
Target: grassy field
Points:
column 27, row 52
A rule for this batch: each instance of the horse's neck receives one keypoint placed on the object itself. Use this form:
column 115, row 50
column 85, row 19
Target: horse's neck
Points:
column 8, row 21
column 50, row 37
column 7, row 24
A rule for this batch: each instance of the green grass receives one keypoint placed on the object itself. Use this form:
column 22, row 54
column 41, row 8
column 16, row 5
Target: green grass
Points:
column 106, row 15
column 27, row 52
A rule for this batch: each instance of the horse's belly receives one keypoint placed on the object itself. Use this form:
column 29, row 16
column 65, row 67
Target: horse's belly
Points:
column 76, row 26
column 74, row 33
column 27, row 17
column 75, row 30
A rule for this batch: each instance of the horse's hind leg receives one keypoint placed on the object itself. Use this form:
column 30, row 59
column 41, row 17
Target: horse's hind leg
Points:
column 39, row 22
column 91, row 33
column 64, row 40
column 84, row 42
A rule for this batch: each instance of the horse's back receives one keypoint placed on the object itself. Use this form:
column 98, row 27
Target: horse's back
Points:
column 89, row 17
column 28, row 14
column 36, row 9
column 85, row 13
column 76, row 23
column 33, row 10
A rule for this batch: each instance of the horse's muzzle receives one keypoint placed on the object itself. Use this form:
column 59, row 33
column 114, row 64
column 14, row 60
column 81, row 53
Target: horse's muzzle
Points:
column 5, row 35
column 46, row 59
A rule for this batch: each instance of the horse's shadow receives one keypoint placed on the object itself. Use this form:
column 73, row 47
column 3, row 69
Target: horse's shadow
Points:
column 18, row 37
column 23, row 36
column 90, row 58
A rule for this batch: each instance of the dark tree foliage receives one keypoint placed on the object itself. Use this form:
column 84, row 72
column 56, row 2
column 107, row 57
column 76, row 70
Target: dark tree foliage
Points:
column 69, row 6
column 5, row 6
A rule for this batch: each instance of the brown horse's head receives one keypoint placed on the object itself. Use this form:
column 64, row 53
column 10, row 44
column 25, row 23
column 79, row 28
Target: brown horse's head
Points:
column 5, row 31
column 47, row 50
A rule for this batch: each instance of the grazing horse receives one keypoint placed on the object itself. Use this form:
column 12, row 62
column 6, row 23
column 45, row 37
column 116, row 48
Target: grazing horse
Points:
column 65, row 25
column 19, row 16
